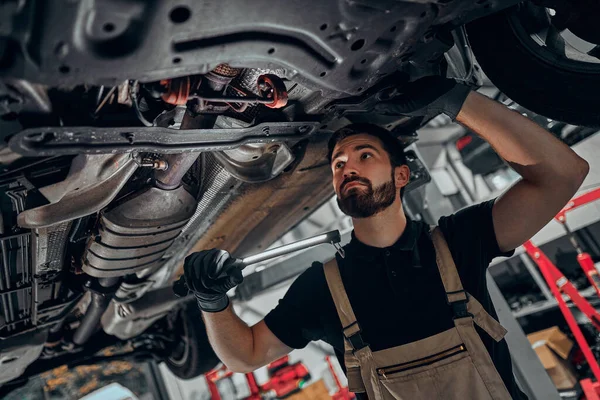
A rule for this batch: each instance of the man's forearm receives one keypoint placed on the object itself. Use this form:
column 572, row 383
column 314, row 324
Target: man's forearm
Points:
column 231, row 339
column 551, row 171
column 534, row 153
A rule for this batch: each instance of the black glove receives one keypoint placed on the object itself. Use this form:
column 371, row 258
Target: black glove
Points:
column 210, row 274
column 427, row 97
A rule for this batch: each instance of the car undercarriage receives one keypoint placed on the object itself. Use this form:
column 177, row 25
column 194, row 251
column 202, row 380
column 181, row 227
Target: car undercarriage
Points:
column 135, row 132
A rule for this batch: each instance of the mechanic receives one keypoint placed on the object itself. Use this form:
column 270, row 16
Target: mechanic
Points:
column 408, row 330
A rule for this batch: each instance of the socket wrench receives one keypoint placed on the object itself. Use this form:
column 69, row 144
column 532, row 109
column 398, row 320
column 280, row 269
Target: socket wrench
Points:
column 333, row 237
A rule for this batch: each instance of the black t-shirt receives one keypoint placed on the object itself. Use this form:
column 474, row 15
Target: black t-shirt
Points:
column 396, row 292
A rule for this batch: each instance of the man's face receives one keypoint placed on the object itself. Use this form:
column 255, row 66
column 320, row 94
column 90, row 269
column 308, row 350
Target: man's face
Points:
column 362, row 176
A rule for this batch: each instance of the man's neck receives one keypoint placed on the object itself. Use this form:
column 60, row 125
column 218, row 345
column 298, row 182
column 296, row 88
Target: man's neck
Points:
column 382, row 229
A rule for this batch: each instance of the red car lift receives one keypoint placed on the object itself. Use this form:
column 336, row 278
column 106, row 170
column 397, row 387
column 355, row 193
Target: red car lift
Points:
column 342, row 392
column 558, row 283
column 284, row 379
column 584, row 259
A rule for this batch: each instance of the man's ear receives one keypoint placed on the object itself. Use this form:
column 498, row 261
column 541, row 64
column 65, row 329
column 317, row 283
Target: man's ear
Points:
column 401, row 176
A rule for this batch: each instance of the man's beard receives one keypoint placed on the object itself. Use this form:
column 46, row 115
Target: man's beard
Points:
column 366, row 202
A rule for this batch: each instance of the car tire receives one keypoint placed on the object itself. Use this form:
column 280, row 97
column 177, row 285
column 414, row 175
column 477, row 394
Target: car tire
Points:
column 563, row 91
column 194, row 356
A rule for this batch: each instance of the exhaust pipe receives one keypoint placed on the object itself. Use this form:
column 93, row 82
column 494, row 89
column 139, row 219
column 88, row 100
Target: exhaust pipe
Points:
column 179, row 164
column 98, row 305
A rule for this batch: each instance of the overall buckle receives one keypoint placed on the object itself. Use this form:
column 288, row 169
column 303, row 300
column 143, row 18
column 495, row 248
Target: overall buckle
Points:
column 355, row 338
column 459, row 307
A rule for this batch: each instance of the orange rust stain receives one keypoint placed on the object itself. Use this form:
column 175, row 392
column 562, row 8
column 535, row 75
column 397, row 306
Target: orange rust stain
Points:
column 88, row 387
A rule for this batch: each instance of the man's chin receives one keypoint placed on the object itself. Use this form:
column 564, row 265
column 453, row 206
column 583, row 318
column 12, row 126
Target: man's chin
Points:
column 353, row 207
column 362, row 214
column 358, row 204
column 349, row 206
column 355, row 190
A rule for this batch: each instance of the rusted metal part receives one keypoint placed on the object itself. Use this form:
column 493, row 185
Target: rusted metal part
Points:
column 179, row 91
column 226, row 70
column 179, row 164
column 272, row 87
column 160, row 165
column 92, row 196
column 220, row 77
column 176, row 90
column 105, row 100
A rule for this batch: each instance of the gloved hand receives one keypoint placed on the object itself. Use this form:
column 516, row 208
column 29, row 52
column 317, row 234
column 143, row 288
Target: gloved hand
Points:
column 210, row 274
column 427, row 97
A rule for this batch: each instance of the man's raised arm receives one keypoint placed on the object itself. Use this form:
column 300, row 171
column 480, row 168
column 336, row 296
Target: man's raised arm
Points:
column 552, row 172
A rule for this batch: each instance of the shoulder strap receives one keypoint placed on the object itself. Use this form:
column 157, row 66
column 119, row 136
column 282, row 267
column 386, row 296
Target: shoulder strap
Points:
column 462, row 304
column 338, row 292
column 447, row 268
column 351, row 329
column 350, row 326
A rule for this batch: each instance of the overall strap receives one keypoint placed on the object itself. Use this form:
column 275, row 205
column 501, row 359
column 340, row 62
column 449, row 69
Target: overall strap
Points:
column 351, row 330
column 463, row 305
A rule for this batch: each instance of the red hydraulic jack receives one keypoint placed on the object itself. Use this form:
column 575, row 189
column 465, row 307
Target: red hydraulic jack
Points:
column 558, row 283
column 584, row 259
column 284, row 379
column 342, row 392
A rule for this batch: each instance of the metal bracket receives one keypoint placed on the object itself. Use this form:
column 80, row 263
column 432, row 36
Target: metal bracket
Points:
column 339, row 249
column 54, row 141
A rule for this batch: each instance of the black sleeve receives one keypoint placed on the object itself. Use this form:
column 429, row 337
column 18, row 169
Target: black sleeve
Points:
column 472, row 240
column 295, row 320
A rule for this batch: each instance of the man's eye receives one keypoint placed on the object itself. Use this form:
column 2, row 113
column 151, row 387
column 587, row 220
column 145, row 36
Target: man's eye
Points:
column 339, row 164
column 364, row 156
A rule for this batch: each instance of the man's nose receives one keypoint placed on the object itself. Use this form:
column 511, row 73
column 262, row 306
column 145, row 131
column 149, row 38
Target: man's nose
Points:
column 349, row 173
column 349, row 170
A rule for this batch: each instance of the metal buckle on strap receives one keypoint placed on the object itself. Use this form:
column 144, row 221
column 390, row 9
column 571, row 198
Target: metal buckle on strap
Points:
column 340, row 250
column 459, row 307
column 355, row 339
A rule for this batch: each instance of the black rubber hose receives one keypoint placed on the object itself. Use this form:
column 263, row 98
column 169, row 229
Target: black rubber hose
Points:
column 98, row 304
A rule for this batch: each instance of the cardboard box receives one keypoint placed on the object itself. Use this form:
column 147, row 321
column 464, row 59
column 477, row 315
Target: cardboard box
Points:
column 314, row 391
column 553, row 348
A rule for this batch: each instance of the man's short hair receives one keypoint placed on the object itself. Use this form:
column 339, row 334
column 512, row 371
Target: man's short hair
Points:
column 391, row 144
